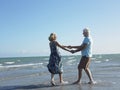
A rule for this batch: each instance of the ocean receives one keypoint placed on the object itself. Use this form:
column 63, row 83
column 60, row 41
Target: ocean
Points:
column 21, row 73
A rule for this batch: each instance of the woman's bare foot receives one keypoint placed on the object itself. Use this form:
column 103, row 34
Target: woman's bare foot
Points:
column 64, row 82
column 53, row 83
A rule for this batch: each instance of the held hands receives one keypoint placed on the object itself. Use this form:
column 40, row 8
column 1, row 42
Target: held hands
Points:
column 70, row 47
column 72, row 51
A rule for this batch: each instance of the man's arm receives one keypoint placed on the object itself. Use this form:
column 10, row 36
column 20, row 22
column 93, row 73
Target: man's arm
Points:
column 83, row 46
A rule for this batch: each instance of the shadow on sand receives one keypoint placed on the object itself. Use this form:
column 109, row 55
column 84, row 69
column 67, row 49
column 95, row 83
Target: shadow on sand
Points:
column 25, row 87
column 39, row 86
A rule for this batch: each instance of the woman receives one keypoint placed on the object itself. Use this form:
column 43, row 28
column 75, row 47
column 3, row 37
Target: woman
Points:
column 55, row 64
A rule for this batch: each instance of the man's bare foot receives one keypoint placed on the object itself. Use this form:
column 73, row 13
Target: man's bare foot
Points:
column 76, row 82
column 92, row 82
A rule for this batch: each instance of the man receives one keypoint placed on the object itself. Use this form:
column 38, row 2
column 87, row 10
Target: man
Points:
column 86, row 52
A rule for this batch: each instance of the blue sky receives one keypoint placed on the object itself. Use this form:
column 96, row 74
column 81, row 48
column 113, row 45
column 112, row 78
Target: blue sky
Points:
column 26, row 24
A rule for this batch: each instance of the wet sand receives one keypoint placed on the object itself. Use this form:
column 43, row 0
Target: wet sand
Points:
column 38, row 83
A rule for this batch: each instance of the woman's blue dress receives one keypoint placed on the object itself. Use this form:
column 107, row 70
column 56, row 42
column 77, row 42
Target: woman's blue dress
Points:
column 55, row 64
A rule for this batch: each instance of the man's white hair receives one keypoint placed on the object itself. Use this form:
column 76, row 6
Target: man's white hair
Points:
column 86, row 30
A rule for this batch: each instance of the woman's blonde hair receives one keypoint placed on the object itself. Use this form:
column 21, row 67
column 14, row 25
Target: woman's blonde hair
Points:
column 52, row 37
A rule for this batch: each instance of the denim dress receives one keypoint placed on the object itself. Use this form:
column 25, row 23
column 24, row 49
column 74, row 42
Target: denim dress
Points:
column 55, row 63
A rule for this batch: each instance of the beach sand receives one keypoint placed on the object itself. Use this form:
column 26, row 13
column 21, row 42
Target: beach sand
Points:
column 42, row 83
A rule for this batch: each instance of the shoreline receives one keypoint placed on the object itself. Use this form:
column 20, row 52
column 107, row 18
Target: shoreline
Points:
column 62, row 55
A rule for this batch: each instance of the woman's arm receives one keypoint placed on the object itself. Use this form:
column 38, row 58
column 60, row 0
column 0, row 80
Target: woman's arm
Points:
column 62, row 47
column 73, row 47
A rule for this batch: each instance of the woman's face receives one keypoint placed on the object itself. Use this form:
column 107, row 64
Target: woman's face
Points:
column 55, row 37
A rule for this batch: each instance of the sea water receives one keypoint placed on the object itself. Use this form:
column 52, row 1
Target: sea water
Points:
column 19, row 70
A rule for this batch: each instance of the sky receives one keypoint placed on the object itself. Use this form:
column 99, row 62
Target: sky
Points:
column 25, row 25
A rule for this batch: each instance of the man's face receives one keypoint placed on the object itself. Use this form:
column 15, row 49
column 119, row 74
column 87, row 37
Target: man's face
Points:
column 85, row 34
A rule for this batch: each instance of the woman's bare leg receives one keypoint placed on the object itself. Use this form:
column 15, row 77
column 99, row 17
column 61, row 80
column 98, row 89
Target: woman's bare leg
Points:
column 52, row 79
column 61, row 79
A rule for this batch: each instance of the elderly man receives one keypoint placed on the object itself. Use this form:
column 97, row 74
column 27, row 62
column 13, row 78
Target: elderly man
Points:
column 86, row 52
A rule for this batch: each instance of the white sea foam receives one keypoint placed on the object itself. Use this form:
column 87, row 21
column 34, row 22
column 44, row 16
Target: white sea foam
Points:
column 97, row 61
column 18, row 60
column 100, row 56
column 9, row 62
column 38, row 65
column 107, row 60
column 93, row 58
column 71, row 57
column 22, row 65
column 46, row 58
column 71, row 62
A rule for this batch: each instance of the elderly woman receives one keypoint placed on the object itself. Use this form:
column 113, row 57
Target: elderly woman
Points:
column 55, row 64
